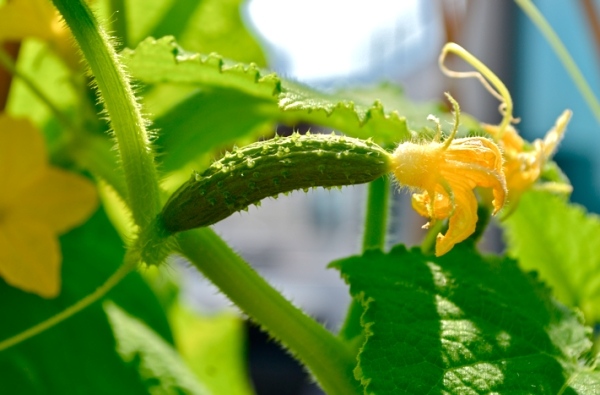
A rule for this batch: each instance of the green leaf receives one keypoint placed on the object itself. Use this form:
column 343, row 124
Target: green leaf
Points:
column 78, row 355
column 562, row 243
column 463, row 324
column 213, row 348
column 270, row 97
column 204, row 26
column 393, row 97
column 159, row 61
column 202, row 123
column 50, row 75
column 158, row 364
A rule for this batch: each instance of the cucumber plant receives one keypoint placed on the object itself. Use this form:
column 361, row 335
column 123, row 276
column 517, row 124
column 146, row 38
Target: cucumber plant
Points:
column 422, row 319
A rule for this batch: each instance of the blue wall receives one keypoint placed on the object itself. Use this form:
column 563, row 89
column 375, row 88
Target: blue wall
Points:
column 543, row 90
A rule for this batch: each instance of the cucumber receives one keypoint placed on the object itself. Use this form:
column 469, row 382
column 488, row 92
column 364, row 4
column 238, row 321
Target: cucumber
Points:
column 264, row 169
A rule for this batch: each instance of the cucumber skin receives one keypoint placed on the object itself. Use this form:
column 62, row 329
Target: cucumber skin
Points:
column 267, row 168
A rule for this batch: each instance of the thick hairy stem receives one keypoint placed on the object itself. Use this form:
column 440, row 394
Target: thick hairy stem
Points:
column 128, row 125
column 327, row 357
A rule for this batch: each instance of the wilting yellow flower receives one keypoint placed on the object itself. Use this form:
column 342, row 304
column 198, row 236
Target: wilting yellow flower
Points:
column 446, row 175
column 524, row 163
column 38, row 202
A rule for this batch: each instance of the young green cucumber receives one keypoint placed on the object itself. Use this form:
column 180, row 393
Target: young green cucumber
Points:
column 267, row 168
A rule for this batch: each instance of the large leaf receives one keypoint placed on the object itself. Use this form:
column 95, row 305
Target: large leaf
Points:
column 463, row 324
column 259, row 98
column 562, row 243
column 163, row 60
column 78, row 356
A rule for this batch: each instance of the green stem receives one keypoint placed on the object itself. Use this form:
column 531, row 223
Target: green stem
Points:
column 428, row 244
column 329, row 360
column 373, row 238
column 127, row 266
column 561, row 51
column 128, row 125
column 377, row 214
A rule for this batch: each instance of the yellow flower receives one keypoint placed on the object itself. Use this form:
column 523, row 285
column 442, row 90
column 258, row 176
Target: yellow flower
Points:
column 38, row 202
column 20, row 19
column 446, row 174
column 524, row 163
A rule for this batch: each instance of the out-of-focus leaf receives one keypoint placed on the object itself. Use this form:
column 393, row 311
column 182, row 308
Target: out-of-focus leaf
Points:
column 165, row 284
column 203, row 122
column 83, row 345
column 158, row 364
column 463, row 324
column 562, row 243
column 52, row 77
column 204, row 26
column 213, row 347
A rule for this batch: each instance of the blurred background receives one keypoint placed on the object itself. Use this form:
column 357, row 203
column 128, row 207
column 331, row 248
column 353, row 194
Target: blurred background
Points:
column 330, row 44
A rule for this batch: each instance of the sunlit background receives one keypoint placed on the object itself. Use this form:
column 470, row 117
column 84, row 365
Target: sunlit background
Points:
column 330, row 44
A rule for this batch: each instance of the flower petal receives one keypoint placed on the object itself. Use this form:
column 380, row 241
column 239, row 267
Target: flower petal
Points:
column 26, row 18
column 523, row 163
column 22, row 155
column 522, row 171
column 476, row 161
column 510, row 140
column 29, row 256
column 442, row 206
column 476, row 150
column 420, row 203
column 467, row 176
column 555, row 135
column 59, row 199
column 461, row 225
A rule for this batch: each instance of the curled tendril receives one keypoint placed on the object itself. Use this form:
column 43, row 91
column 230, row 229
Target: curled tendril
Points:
column 488, row 79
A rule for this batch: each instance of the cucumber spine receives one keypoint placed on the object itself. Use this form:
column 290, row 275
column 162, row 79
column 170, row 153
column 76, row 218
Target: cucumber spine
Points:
column 268, row 168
